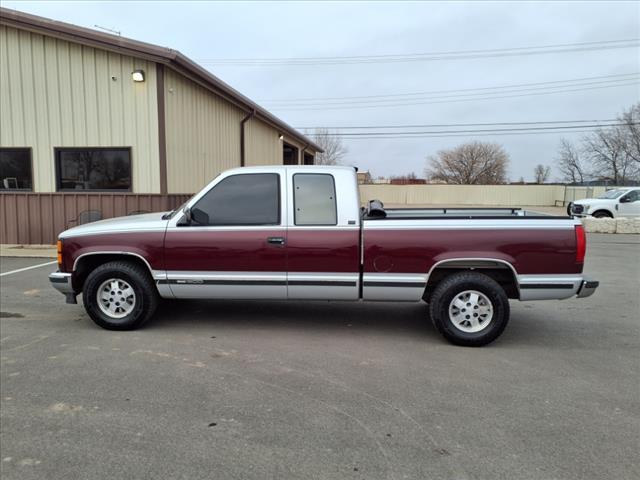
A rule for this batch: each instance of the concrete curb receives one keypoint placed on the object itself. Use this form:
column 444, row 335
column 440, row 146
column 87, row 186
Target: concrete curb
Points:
column 28, row 251
column 611, row 225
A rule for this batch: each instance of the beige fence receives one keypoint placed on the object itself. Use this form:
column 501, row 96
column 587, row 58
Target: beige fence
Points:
column 477, row 195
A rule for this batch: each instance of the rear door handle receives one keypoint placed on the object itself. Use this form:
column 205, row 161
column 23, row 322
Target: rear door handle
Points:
column 275, row 240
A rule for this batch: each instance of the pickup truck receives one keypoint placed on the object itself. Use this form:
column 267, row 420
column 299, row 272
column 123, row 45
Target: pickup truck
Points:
column 619, row 202
column 299, row 233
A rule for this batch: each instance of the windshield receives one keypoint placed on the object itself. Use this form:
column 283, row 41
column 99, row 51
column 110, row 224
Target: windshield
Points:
column 612, row 194
column 172, row 213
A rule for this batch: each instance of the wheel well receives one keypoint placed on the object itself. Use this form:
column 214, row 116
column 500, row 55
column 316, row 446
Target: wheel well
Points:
column 85, row 265
column 602, row 210
column 498, row 271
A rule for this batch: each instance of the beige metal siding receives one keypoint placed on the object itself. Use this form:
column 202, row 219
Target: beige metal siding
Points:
column 203, row 134
column 60, row 94
column 38, row 218
column 263, row 145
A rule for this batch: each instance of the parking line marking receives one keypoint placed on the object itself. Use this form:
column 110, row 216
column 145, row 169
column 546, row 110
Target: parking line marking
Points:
column 28, row 268
column 20, row 347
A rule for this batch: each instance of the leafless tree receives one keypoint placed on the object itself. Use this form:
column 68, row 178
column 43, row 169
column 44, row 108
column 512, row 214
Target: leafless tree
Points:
column 472, row 163
column 541, row 173
column 606, row 150
column 569, row 162
column 631, row 133
column 614, row 152
column 334, row 149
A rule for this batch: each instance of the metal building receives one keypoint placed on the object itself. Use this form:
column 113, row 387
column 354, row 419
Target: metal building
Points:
column 95, row 125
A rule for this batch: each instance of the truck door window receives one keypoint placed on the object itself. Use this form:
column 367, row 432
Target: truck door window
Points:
column 314, row 199
column 632, row 196
column 245, row 199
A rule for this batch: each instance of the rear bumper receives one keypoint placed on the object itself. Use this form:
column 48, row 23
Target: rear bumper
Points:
column 587, row 288
column 555, row 287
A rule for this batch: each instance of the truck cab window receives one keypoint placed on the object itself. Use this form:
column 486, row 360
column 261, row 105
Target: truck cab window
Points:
column 314, row 198
column 246, row 199
column 632, row 196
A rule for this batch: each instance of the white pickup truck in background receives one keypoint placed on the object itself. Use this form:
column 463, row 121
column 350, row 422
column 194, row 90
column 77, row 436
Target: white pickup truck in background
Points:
column 619, row 202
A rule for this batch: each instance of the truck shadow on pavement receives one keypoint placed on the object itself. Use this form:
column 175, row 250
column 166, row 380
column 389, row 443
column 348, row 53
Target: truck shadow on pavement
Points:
column 321, row 316
column 400, row 320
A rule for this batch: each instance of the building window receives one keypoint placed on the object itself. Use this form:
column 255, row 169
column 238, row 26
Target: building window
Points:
column 15, row 169
column 247, row 199
column 93, row 169
column 314, row 199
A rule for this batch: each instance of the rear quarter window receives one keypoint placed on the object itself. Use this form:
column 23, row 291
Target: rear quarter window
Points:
column 314, row 199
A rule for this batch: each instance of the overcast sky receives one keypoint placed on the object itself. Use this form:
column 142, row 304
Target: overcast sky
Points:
column 214, row 30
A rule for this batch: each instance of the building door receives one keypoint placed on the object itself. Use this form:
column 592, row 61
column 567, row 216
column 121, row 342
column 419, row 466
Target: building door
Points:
column 289, row 154
column 308, row 159
column 234, row 245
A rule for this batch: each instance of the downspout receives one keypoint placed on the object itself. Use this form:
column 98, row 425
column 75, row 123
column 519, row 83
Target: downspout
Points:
column 242, row 122
column 306, row 145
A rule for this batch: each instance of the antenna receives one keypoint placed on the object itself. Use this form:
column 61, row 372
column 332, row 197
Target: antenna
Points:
column 117, row 32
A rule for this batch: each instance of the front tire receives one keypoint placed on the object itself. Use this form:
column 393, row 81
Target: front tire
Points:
column 120, row 295
column 602, row 214
column 469, row 309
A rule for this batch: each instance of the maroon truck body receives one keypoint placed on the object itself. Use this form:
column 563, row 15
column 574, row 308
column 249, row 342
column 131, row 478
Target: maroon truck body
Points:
column 319, row 244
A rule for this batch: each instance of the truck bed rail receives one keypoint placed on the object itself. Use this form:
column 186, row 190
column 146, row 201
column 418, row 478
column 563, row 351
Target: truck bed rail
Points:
column 377, row 212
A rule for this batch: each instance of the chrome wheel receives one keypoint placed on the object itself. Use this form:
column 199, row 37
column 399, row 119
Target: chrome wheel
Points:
column 116, row 298
column 470, row 311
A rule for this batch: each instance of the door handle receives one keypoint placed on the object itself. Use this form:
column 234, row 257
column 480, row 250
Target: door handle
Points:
column 275, row 240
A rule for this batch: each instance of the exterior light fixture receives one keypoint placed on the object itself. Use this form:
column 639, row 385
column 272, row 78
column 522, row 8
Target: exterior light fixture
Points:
column 137, row 75
column 281, row 137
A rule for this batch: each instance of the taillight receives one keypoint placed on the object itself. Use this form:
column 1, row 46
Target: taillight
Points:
column 581, row 244
column 59, row 246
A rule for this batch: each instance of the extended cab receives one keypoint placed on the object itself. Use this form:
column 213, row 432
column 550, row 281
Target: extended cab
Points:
column 299, row 233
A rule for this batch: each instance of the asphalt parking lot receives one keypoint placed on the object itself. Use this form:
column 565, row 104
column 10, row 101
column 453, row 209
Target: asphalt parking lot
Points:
column 248, row 390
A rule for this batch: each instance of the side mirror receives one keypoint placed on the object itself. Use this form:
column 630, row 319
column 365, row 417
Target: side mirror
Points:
column 199, row 217
column 186, row 219
column 625, row 199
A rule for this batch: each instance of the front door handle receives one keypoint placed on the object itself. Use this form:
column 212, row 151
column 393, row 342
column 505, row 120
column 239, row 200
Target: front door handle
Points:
column 275, row 240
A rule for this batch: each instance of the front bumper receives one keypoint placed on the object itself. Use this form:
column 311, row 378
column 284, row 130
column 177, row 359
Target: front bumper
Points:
column 62, row 282
column 587, row 287
column 578, row 210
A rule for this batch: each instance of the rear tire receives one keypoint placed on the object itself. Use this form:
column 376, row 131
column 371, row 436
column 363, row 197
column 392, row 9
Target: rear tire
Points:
column 469, row 309
column 120, row 295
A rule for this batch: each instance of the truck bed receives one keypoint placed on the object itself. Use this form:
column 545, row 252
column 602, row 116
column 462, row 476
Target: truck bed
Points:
column 405, row 245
